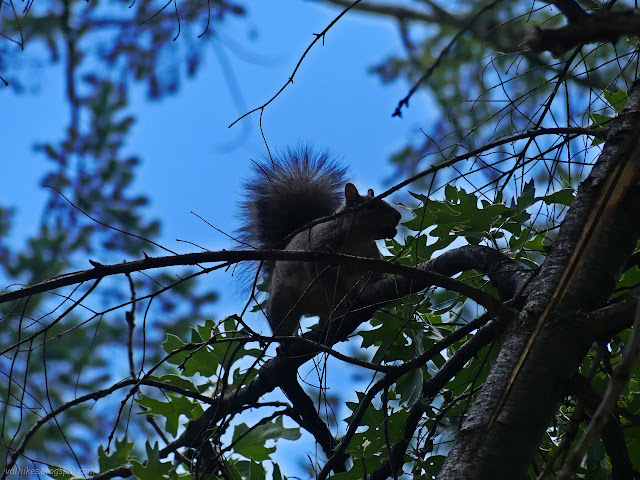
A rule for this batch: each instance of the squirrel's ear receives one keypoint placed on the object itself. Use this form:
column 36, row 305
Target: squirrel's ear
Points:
column 370, row 193
column 351, row 193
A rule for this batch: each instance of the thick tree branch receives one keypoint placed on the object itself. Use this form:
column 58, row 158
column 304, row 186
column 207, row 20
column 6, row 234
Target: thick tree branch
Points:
column 606, row 322
column 544, row 347
column 101, row 271
column 599, row 26
column 570, row 9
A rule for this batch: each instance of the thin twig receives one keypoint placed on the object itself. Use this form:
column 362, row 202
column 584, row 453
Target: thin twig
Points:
column 295, row 70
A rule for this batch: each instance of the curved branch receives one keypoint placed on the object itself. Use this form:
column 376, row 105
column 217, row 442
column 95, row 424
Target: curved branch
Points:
column 405, row 101
column 503, row 141
column 308, row 417
column 506, row 274
column 612, row 434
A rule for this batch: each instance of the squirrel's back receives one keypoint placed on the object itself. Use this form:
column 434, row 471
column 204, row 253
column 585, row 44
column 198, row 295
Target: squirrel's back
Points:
column 287, row 192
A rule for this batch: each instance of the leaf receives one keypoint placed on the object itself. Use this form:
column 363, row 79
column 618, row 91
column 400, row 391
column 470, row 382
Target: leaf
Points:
column 616, row 99
column 248, row 470
column 277, row 474
column 119, row 457
column 383, row 335
column 598, row 119
column 171, row 411
column 178, row 381
column 252, row 445
column 410, row 387
column 629, row 279
column 154, row 468
column 430, row 466
column 357, row 471
column 464, row 214
column 371, row 440
column 199, row 360
column 563, row 197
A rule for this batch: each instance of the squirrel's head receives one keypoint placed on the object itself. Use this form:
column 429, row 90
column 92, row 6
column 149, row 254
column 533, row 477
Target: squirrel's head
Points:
column 376, row 219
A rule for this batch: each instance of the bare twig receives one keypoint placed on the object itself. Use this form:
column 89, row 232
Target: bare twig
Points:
column 318, row 36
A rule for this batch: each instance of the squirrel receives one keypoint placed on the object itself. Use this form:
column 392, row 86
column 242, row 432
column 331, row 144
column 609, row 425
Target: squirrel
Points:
column 285, row 194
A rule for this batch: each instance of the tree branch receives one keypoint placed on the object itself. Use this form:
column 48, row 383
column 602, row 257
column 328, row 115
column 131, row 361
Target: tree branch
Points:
column 570, row 9
column 599, row 26
column 612, row 434
column 100, row 271
column 318, row 36
column 605, row 322
column 309, row 419
column 430, row 388
column 618, row 381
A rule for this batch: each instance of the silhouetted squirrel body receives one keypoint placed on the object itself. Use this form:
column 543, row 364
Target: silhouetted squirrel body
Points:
column 284, row 195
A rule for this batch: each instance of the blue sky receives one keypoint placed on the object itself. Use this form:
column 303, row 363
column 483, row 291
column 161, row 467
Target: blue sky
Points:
column 183, row 140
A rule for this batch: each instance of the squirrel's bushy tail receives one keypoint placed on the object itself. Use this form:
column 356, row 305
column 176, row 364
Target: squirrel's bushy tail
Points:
column 286, row 193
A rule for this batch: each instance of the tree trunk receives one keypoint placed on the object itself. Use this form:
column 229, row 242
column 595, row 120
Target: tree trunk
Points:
column 544, row 347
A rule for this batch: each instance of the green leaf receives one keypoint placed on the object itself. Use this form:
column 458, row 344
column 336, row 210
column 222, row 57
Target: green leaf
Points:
column 118, row 458
column 450, row 193
column 178, row 381
column 464, row 214
column 277, row 474
column 598, row 119
column 629, row 279
column 249, row 470
column 370, row 463
column 372, row 440
column 199, row 360
column 252, row 445
column 178, row 405
column 154, row 468
column 430, row 466
column 384, row 336
column 632, row 441
column 563, row 197
column 410, row 387
column 616, row 99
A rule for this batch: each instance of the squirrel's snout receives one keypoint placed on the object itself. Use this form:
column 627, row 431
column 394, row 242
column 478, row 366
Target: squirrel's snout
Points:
column 395, row 220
